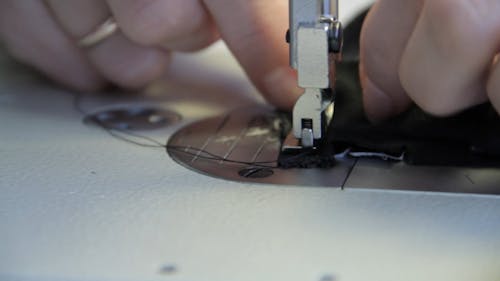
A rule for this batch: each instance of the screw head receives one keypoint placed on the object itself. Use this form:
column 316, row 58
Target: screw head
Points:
column 256, row 172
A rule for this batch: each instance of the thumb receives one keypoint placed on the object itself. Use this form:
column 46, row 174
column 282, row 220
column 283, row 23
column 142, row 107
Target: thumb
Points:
column 255, row 32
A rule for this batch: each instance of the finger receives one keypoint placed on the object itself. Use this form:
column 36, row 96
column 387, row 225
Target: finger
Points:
column 116, row 58
column 385, row 33
column 493, row 86
column 447, row 58
column 254, row 31
column 32, row 36
column 180, row 25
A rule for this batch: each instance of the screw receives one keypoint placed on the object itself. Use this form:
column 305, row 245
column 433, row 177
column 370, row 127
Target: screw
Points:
column 255, row 173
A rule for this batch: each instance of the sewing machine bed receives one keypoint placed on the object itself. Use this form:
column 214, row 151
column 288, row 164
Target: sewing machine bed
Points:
column 78, row 204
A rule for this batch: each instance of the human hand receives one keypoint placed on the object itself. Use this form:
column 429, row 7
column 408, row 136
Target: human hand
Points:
column 439, row 54
column 45, row 35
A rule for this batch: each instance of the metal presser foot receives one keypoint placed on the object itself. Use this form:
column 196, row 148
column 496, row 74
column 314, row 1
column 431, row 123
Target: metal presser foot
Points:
column 315, row 39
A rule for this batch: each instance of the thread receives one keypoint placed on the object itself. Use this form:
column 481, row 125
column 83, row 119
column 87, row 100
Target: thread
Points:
column 148, row 142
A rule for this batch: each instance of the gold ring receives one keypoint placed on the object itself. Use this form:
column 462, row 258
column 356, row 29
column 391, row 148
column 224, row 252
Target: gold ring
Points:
column 103, row 31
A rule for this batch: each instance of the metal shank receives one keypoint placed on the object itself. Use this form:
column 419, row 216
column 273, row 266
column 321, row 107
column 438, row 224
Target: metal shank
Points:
column 307, row 12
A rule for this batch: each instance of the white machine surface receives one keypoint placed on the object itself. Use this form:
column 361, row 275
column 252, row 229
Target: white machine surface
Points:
column 77, row 204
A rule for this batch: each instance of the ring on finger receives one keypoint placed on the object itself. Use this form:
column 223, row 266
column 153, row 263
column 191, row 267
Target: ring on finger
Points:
column 99, row 34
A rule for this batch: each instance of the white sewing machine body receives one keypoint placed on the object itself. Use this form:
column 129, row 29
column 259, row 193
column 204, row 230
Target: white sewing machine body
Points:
column 78, row 204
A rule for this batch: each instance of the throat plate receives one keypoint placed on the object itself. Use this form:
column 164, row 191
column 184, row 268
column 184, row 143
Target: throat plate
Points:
column 244, row 145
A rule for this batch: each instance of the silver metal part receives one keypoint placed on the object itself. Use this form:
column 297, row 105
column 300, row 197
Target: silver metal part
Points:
column 314, row 37
column 307, row 12
column 313, row 56
column 313, row 106
column 329, row 8
column 307, row 137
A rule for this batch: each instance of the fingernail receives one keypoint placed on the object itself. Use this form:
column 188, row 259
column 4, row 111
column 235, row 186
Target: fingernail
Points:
column 378, row 105
column 281, row 87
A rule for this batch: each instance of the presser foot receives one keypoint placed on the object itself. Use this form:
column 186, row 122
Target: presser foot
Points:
column 312, row 115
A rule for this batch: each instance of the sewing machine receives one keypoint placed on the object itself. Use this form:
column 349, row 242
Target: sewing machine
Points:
column 79, row 204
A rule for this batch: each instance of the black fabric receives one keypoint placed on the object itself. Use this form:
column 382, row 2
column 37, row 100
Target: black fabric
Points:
column 471, row 138
column 307, row 158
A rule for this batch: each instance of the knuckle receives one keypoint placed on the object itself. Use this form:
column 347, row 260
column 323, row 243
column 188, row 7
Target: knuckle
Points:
column 450, row 13
column 155, row 22
column 455, row 24
column 445, row 18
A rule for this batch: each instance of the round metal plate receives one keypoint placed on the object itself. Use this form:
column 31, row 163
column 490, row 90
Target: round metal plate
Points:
column 134, row 118
column 244, row 145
